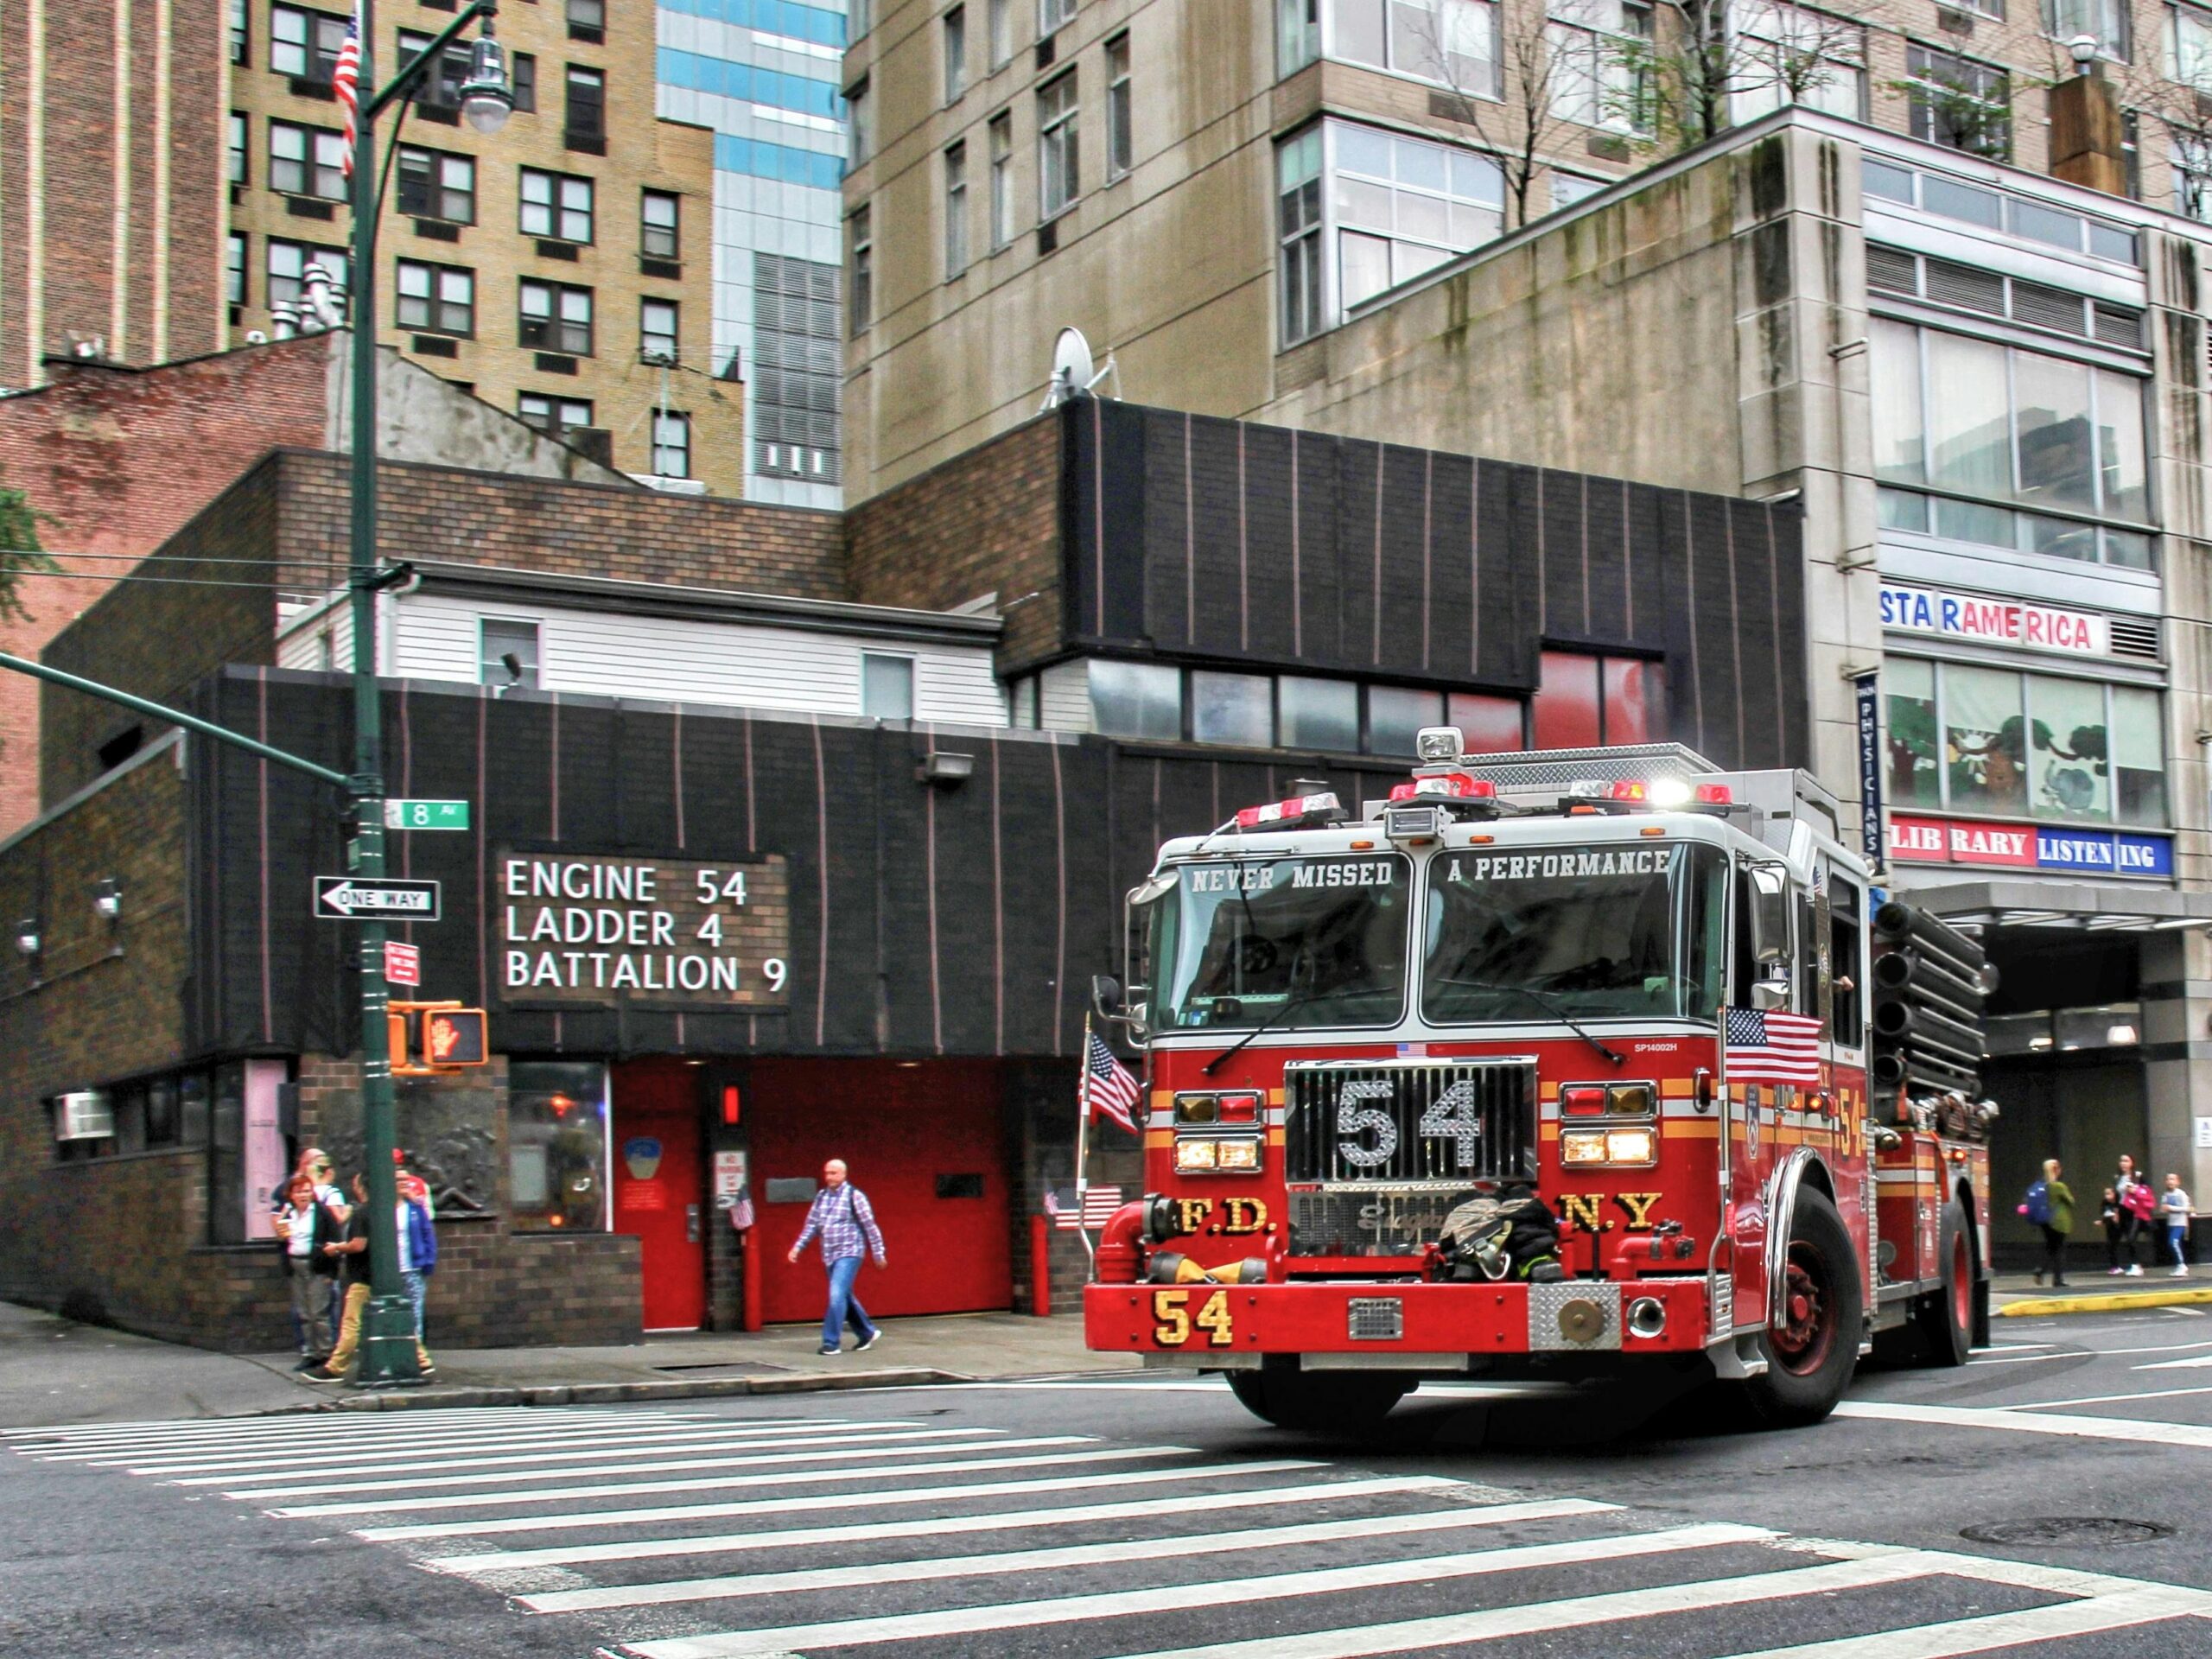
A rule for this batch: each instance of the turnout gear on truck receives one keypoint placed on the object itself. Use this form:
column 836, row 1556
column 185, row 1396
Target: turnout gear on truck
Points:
column 1513, row 1235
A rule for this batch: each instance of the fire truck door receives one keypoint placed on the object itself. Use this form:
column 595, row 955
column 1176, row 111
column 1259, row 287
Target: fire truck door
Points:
column 1752, row 1120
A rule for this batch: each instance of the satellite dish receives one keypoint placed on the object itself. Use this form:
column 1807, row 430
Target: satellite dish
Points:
column 1072, row 368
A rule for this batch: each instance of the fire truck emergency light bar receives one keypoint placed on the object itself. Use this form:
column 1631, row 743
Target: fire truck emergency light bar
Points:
column 1299, row 812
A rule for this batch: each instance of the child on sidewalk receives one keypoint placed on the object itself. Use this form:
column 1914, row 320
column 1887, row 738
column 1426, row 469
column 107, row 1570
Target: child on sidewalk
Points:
column 2175, row 1210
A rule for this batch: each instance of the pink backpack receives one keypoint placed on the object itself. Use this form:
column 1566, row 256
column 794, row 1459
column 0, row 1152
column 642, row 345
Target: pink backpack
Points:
column 2138, row 1200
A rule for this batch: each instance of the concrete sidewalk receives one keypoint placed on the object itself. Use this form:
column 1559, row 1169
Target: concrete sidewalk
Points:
column 54, row 1371
column 2016, row 1295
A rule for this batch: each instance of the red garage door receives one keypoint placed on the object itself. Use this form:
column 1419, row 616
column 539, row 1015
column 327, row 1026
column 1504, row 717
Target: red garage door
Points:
column 923, row 1141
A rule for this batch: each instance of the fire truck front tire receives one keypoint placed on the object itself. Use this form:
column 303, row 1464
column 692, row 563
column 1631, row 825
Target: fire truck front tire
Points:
column 1811, row 1356
column 1330, row 1401
column 1946, row 1315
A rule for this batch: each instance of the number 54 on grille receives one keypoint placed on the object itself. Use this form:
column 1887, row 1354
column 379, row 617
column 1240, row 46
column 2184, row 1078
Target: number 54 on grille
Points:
column 1561, row 1064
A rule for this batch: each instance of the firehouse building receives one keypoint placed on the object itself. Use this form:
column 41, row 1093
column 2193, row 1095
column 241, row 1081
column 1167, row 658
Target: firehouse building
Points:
column 787, row 837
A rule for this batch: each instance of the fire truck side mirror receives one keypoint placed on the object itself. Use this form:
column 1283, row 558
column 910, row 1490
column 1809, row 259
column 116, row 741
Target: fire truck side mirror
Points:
column 1106, row 997
column 1770, row 915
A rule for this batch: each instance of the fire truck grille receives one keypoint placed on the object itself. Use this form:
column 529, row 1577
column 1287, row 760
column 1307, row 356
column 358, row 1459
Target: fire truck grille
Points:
column 1370, row 1223
column 1427, row 1124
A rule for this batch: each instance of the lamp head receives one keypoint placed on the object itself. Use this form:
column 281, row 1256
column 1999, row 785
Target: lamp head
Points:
column 488, row 96
column 2083, row 49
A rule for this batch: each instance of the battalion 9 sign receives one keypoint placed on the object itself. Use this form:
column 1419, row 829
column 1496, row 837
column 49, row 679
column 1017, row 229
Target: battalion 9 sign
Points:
column 593, row 930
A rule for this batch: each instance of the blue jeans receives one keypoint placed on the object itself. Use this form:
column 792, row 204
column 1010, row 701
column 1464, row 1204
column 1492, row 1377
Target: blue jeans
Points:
column 844, row 1306
column 419, row 1290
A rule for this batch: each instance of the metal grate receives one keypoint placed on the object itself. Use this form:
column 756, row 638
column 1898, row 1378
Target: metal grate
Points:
column 1376, row 1318
column 2048, row 307
column 2132, row 637
column 1892, row 271
column 1367, row 1222
column 2120, row 325
column 1966, row 288
column 1391, row 1123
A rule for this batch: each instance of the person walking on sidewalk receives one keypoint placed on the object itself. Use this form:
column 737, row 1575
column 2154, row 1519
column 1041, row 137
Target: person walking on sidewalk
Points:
column 2140, row 1204
column 351, row 1252
column 2113, row 1220
column 419, row 1252
column 304, row 1226
column 2050, row 1205
column 2175, row 1210
column 842, row 1215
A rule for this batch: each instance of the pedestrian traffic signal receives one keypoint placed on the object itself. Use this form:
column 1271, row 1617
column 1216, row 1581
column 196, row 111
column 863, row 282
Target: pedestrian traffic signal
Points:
column 428, row 1038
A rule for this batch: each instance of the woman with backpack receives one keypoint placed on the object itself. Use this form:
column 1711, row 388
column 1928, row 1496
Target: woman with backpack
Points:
column 2049, row 1205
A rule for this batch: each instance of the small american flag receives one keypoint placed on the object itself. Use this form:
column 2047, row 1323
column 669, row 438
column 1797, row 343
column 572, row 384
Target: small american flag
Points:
column 1766, row 1047
column 1109, row 1090
column 344, row 83
column 1099, row 1203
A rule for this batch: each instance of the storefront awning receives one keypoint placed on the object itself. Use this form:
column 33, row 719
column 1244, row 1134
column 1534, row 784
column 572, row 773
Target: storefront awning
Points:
column 2074, row 908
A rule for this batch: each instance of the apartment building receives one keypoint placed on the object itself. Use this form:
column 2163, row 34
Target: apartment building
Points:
column 1205, row 188
column 561, row 268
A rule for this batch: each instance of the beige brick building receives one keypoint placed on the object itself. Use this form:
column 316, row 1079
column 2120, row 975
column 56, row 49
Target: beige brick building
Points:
column 1207, row 189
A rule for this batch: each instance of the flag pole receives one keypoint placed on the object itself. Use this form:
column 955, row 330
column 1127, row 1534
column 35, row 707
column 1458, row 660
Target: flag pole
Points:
column 1083, row 1142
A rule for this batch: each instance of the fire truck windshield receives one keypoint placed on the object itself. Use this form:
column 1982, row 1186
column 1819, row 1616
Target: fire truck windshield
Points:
column 1290, row 942
column 1623, row 929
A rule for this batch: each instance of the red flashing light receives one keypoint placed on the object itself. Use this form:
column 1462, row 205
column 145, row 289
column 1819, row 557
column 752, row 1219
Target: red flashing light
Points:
column 1452, row 786
column 1236, row 1109
column 1584, row 1100
column 1627, row 789
column 1714, row 795
column 730, row 1103
column 1254, row 818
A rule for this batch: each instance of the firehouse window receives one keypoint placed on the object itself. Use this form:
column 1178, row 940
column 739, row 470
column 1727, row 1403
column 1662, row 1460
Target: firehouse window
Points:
column 886, row 686
column 501, row 641
column 1395, row 714
column 1487, row 725
column 1232, row 708
column 1136, row 700
column 1592, row 932
column 1845, row 976
column 1585, row 701
column 1294, row 942
column 556, row 1146
column 1318, row 714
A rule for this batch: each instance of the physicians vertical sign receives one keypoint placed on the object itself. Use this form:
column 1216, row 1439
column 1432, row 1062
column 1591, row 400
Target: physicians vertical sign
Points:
column 1870, row 768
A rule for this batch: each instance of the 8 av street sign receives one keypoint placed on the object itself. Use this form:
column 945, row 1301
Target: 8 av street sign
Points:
column 346, row 898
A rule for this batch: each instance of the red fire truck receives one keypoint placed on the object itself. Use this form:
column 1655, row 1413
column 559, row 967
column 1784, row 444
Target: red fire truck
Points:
column 1556, row 1064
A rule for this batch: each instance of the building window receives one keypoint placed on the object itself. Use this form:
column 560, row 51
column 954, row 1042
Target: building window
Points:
column 1970, row 418
column 307, row 161
column 439, row 93
column 886, row 686
column 2106, row 22
column 1596, row 48
column 1299, row 235
column 998, row 20
column 860, row 123
column 1976, row 740
column 860, row 237
column 507, row 653
column 436, row 299
column 239, row 142
column 859, row 18
column 288, row 267
column 1790, row 55
column 584, row 126
column 434, row 184
column 956, row 211
column 1453, row 42
column 1001, row 130
column 659, row 224
column 555, row 416
column 557, row 1175
column 1158, row 702
column 1399, row 207
column 234, row 270
column 556, row 318
column 1235, row 709
column 1568, row 188
column 1119, row 145
column 588, row 21
column 656, row 332
column 241, row 31
column 797, row 359
column 523, row 68
column 1297, row 35
column 555, row 205
column 304, row 44
column 1060, row 173
column 1142, row 700
column 955, row 53
column 671, row 444
column 1314, row 714
column 1051, row 13
column 2190, row 47
column 1959, row 103
column 2192, row 165
column 1584, row 701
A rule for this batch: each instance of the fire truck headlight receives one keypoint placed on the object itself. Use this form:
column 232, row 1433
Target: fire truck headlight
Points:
column 1631, row 1147
column 1590, row 1148
column 1191, row 1156
column 1582, row 1147
column 1240, row 1154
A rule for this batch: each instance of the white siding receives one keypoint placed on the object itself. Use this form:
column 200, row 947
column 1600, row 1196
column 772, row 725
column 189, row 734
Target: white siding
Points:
column 301, row 646
column 674, row 659
column 1063, row 696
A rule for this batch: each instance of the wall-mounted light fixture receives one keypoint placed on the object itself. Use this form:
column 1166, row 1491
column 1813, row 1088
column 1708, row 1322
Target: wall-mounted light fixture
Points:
column 107, row 899
column 946, row 768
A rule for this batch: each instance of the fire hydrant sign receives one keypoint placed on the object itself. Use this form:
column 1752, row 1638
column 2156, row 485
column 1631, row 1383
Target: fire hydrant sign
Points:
column 403, row 963
column 599, row 931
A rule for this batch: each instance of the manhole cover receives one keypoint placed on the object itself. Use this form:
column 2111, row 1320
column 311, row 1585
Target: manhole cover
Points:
column 2068, row 1529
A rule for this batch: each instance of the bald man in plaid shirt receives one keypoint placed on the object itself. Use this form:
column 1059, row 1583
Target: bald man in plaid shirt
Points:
column 841, row 1214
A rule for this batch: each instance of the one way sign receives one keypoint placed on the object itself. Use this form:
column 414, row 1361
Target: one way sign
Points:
column 348, row 898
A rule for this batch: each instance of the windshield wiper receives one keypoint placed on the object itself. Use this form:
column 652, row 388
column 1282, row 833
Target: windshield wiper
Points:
column 1543, row 1000
column 1267, row 1023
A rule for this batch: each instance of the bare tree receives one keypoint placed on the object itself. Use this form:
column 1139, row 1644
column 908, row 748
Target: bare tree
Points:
column 1514, row 116
column 1681, row 85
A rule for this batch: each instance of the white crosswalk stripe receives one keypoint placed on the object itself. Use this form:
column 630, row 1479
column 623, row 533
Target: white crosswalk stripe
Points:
column 819, row 1533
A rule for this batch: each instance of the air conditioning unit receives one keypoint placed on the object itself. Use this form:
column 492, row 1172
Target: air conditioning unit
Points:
column 88, row 1115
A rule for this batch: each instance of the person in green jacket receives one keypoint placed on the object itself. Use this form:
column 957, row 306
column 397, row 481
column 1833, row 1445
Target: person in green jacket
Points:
column 2059, row 1199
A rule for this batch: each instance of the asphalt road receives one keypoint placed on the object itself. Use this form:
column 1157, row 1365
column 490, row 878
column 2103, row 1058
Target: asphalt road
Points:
column 1149, row 1516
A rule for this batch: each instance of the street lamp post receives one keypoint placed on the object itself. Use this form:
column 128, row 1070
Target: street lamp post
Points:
column 388, row 1351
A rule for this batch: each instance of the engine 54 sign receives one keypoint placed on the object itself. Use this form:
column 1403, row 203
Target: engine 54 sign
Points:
column 586, row 930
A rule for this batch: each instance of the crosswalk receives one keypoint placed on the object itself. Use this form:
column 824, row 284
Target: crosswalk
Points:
column 672, row 1533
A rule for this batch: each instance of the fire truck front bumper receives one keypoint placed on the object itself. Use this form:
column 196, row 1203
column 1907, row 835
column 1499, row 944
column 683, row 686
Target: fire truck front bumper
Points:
column 1349, row 1325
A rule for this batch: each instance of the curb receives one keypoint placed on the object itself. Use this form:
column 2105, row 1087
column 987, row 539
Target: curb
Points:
column 2101, row 1302
column 592, row 1394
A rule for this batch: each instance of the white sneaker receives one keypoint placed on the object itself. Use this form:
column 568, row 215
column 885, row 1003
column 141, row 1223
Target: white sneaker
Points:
column 2178, row 1272
column 2135, row 1270
column 2115, row 1273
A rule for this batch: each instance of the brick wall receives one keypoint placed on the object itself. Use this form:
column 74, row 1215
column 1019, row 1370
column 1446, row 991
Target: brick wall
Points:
column 121, row 460
column 986, row 520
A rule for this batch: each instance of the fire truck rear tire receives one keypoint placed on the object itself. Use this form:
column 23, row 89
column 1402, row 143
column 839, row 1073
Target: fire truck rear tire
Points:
column 1946, row 1315
column 1807, row 1370
column 1342, row 1402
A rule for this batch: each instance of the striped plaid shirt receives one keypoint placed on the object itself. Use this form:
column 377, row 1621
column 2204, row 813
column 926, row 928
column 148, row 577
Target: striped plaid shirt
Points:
column 840, row 1214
